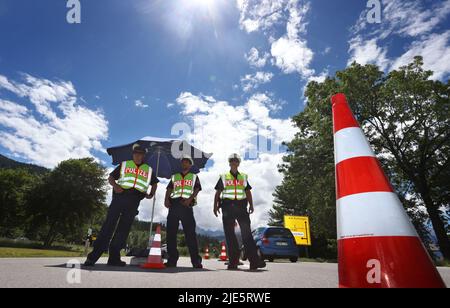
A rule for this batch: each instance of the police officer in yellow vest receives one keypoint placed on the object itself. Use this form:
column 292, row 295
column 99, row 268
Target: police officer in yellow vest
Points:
column 233, row 195
column 130, row 181
column 180, row 198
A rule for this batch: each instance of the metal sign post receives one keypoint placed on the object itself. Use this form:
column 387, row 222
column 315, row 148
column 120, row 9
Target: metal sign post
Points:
column 154, row 202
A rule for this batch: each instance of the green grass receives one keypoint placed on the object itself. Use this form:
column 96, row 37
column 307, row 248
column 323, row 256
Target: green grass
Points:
column 4, row 242
column 10, row 248
column 13, row 252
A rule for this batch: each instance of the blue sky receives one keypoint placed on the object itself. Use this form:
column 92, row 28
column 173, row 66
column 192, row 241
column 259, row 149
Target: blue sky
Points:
column 135, row 68
column 118, row 51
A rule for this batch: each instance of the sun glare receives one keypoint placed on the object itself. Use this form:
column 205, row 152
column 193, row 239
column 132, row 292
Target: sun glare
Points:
column 199, row 4
column 185, row 17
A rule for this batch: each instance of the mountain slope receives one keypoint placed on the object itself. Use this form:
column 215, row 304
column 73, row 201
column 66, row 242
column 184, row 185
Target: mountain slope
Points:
column 8, row 163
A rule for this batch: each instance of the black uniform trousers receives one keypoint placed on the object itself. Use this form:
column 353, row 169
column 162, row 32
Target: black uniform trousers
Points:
column 233, row 211
column 177, row 213
column 120, row 217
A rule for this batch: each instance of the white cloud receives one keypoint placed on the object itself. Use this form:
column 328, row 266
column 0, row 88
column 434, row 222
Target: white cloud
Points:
column 42, row 93
column 365, row 52
column 290, row 51
column 252, row 81
column 254, row 59
column 192, row 103
column 140, row 104
column 405, row 18
column 416, row 20
column 326, row 51
column 319, row 78
column 57, row 128
column 296, row 24
column 435, row 51
column 221, row 128
column 260, row 14
column 292, row 55
column 6, row 84
column 412, row 18
column 12, row 108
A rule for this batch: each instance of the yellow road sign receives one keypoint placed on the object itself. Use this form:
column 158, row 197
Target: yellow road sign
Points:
column 299, row 226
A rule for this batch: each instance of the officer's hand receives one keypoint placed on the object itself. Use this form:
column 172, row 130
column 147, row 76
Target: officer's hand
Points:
column 251, row 209
column 216, row 210
column 167, row 203
column 188, row 202
column 118, row 189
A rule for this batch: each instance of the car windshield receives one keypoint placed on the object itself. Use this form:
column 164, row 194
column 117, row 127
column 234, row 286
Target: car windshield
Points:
column 279, row 233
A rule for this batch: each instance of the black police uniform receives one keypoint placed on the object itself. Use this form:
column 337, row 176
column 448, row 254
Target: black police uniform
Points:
column 120, row 217
column 178, row 212
column 232, row 211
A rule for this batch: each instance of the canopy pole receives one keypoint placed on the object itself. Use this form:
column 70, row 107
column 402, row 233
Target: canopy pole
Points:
column 154, row 203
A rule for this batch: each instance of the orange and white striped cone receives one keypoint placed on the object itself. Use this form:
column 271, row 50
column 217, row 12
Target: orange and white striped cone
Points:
column 377, row 244
column 154, row 260
column 223, row 254
column 206, row 256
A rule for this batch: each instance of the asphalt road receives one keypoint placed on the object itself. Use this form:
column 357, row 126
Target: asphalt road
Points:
column 53, row 273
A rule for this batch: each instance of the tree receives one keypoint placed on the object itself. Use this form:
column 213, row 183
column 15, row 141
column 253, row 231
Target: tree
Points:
column 406, row 117
column 69, row 197
column 308, row 184
column 15, row 185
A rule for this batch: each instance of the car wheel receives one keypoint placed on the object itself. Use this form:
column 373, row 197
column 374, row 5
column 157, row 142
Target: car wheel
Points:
column 260, row 254
column 294, row 260
column 243, row 255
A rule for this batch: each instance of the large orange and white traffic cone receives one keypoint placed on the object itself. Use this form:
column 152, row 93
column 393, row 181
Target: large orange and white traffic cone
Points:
column 206, row 256
column 154, row 260
column 223, row 254
column 378, row 246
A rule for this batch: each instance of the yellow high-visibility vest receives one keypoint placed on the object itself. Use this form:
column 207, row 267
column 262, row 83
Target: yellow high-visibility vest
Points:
column 234, row 188
column 132, row 176
column 183, row 186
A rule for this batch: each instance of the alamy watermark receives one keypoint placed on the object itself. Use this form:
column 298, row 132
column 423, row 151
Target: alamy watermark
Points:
column 374, row 12
column 73, row 276
column 374, row 274
column 74, row 13
column 262, row 141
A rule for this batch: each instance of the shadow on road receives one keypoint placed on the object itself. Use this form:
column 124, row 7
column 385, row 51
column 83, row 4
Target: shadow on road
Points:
column 133, row 269
column 244, row 270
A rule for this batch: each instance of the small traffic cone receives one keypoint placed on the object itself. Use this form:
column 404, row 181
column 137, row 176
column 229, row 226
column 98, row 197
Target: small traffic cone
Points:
column 154, row 260
column 378, row 246
column 206, row 256
column 223, row 254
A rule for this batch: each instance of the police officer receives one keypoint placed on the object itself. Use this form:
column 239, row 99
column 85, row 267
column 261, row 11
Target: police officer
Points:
column 233, row 195
column 180, row 198
column 130, row 182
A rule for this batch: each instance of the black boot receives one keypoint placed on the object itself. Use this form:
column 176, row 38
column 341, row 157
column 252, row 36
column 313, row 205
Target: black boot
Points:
column 233, row 266
column 260, row 264
column 170, row 265
column 117, row 263
column 89, row 263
